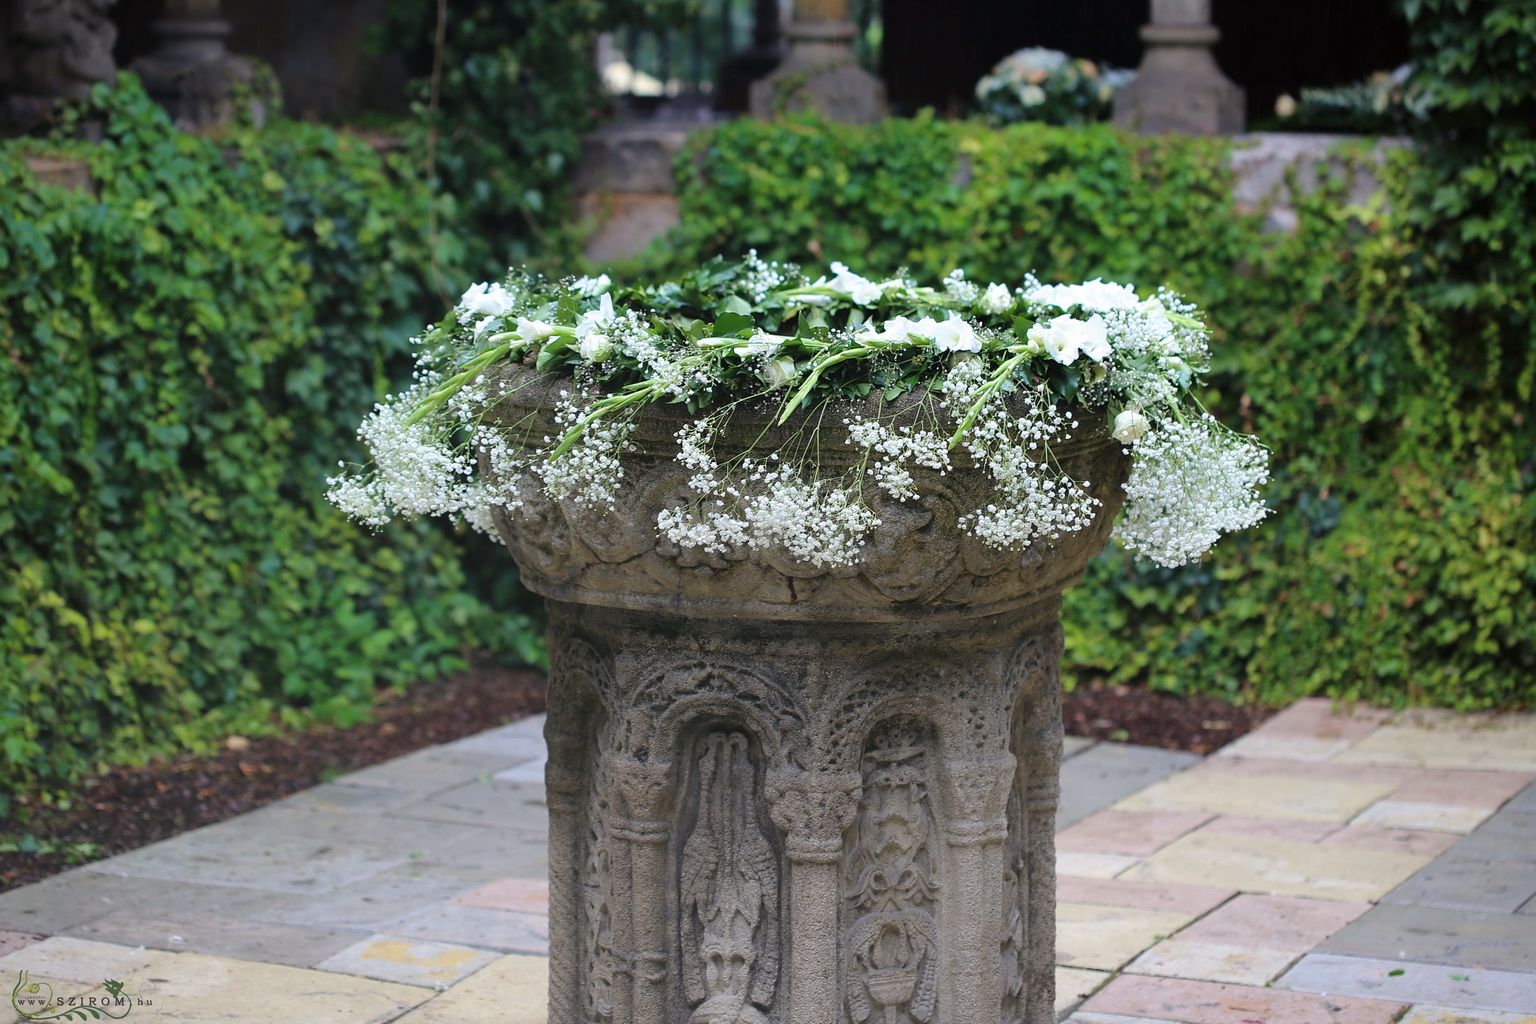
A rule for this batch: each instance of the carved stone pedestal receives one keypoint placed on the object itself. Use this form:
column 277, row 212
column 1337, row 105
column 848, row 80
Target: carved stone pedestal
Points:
column 786, row 795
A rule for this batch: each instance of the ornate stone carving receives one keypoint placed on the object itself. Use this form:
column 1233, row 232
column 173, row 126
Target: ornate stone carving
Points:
column 891, row 952
column 729, row 893
column 782, row 797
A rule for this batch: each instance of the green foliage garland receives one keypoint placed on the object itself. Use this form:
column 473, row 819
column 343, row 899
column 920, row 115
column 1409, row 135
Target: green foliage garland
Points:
column 174, row 355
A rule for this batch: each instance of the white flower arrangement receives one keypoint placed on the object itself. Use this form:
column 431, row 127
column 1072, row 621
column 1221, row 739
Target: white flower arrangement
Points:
column 1000, row 374
column 1037, row 84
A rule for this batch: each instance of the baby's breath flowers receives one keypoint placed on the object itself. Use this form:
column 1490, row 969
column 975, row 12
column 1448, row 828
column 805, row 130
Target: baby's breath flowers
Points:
column 995, row 375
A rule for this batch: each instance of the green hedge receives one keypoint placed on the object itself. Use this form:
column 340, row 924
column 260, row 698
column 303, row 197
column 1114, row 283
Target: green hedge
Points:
column 1400, row 563
column 183, row 357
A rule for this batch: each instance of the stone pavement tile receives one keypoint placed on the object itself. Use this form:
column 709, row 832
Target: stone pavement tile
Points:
column 1108, row 937
column 493, row 804
column 524, row 895
column 1274, row 922
column 52, row 905
column 1460, row 937
column 502, row 741
column 493, row 854
column 1503, row 743
column 1071, row 746
column 1086, row 1017
column 430, row 770
column 213, row 856
column 1204, row 1002
column 231, row 901
column 12, row 941
column 1256, row 864
column 1073, row 985
column 1496, row 886
column 1505, row 836
column 1524, row 801
column 1420, row 844
column 433, row 964
column 1529, row 908
column 1288, row 829
column 163, row 928
column 528, row 773
column 1107, row 772
column 1437, row 983
column 200, row 989
column 307, row 822
column 1424, row 1014
column 511, row 990
column 1120, row 892
column 1285, row 748
column 42, row 1001
column 368, row 905
column 533, row 726
column 1132, row 832
column 1212, row 961
column 1464, row 788
column 475, row 926
column 69, row 959
column 1331, row 771
column 1427, row 817
column 333, row 796
column 1324, row 719
column 1279, row 796
column 1093, row 865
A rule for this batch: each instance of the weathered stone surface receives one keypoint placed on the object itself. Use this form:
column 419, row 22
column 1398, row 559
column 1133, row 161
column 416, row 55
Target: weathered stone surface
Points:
column 1266, row 796
column 1453, row 883
column 1202, row 1002
column 1098, row 778
column 1178, row 87
column 1441, row 984
column 243, row 939
column 821, row 75
column 1431, row 935
column 56, row 903
column 1212, row 961
column 509, row 991
column 432, row 964
column 785, row 793
column 1255, row 864
column 1107, row 938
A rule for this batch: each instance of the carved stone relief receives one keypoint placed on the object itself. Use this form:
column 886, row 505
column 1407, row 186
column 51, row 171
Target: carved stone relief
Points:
column 890, row 958
column 729, row 892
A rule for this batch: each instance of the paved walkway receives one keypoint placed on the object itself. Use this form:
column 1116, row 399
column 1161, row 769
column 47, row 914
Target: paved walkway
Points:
column 1326, row 869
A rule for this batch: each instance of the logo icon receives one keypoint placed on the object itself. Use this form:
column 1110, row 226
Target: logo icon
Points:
column 35, row 1000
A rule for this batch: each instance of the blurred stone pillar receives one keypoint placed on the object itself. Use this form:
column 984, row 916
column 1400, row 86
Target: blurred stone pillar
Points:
column 53, row 50
column 193, row 75
column 1179, row 88
column 820, row 73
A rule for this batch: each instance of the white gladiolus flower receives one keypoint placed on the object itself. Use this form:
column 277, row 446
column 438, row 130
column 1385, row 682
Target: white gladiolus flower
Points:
column 996, row 299
column 956, row 335
column 860, row 289
column 590, row 286
column 485, row 299
column 596, row 347
column 1065, row 337
column 1094, row 296
column 1130, row 425
column 593, row 319
column 530, row 331
column 760, row 344
column 779, row 371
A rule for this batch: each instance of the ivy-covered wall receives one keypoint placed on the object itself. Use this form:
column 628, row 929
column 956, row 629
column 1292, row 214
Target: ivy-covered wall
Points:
column 1400, row 562
column 183, row 358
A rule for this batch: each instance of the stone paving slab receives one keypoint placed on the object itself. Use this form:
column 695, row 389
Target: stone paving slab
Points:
column 217, row 935
column 487, row 803
column 1258, row 864
column 435, row 965
column 484, row 857
column 1288, row 829
column 218, row 856
column 57, row 903
column 1505, row 836
column 1073, row 985
column 1093, row 865
column 1458, row 937
column 1129, row 832
column 1524, row 802
column 1088, row 1017
column 332, row 797
column 1424, row 817
column 1107, row 772
column 520, row 895
column 1456, row 1015
column 1121, row 892
column 304, row 821
column 431, row 770
column 501, row 930
column 1464, row 788
column 510, row 990
column 1203, row 1002
column 529, row 773
column 1274, row 922
column 1495, row 886
column 502, row 741
column 368, row 905
column 1368, row 837
column 1437, row 983
column 1506, row 742
column 1212, row 961
column 1288, row 796
column 64, row 958
column 12, row 941
column 1106, row 938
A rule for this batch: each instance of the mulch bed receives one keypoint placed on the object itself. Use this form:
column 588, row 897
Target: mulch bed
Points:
column 132, row 807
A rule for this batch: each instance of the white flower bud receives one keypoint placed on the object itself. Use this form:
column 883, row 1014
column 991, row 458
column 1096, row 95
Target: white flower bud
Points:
column 596, row 347
column 1129, row 425
column 779, row 371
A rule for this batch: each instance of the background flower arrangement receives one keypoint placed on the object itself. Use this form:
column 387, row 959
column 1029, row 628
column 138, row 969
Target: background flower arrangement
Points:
column 1001, row 374
column 1036, row 84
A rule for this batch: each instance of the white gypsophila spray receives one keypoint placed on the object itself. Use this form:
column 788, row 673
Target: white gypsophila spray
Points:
column 589, row 474
column 892, row 454
column 1190, row 483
